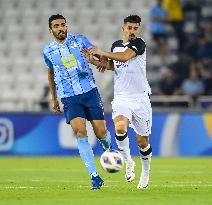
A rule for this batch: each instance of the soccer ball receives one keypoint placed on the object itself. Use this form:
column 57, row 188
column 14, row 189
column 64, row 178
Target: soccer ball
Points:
column 112, row 161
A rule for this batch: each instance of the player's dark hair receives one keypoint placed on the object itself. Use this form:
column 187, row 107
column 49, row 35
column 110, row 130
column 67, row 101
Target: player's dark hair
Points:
column 132, row 19
column 55, row 17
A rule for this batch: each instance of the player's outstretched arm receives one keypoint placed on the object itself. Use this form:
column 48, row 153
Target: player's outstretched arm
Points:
column 89, row 57
column 52, row 87
column 99, row 61
column 119, row 56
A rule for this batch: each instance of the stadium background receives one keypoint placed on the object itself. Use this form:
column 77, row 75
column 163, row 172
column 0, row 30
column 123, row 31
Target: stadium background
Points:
column 38, row 163
column 180, row 122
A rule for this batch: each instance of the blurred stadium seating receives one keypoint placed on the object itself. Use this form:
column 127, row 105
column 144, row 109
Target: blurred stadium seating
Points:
column 24, row 32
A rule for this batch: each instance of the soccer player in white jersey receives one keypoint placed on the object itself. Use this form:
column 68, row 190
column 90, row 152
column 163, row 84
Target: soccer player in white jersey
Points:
column 131, row 104
column 71, row 79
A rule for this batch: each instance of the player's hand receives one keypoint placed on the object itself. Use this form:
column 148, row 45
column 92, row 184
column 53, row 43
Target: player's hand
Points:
column 102, row 65
column 56, row 107
column 88, row 55
column 96, row 51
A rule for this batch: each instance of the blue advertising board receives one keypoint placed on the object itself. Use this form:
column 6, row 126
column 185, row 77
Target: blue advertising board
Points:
column 187, row 134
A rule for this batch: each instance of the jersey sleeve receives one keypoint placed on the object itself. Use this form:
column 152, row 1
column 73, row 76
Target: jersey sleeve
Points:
column 112, row 47
column 47, row 61
column 86, row 43
column 116, row 44
column 137, row 45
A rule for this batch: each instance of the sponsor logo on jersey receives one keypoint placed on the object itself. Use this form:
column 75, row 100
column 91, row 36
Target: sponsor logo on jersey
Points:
column 119, row 64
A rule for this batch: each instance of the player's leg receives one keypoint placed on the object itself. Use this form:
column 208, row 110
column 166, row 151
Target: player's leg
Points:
column 101, row 132
column 75, row 116
column 79, row 127
column 94, row 112
column 121, row 123
column 146, row 154
column 142, row 123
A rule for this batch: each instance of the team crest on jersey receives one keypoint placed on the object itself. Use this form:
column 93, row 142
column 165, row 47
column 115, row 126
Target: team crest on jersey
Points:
column 73, row 45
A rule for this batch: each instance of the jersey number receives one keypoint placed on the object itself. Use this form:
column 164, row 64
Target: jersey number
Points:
column 72, row 61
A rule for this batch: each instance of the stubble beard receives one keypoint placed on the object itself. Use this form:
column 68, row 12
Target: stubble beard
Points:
column 60, row 37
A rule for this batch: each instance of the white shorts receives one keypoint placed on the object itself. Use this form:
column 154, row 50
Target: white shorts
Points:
column 138, row 111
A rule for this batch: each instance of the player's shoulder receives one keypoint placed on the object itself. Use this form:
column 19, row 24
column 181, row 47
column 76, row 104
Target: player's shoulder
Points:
column 49, row 47
column 139, row 40
column 80, row 37
column 118, row 43
column 138, row 45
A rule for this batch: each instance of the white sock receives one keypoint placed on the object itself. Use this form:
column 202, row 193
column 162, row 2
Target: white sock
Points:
column 122, row 141
column 146, row 154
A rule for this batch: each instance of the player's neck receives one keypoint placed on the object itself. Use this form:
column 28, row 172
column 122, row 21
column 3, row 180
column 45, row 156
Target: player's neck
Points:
column 125, row 40
column 60, row 41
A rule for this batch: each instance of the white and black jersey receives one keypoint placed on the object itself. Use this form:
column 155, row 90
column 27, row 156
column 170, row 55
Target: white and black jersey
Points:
column 130, row 77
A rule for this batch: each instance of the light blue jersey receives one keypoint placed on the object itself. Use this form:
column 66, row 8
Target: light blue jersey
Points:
column 72, row 74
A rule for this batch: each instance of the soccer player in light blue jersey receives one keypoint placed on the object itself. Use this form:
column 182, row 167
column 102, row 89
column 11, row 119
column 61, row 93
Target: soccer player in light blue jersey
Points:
column 71, row 79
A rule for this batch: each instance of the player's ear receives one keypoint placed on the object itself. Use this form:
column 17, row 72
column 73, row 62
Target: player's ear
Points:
column 50, row 31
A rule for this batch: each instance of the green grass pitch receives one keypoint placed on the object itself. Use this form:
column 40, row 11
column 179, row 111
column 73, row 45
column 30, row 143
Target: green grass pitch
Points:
column 64, row 181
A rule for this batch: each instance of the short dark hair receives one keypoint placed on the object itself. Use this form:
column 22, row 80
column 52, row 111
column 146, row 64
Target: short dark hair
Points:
column 55, row 17
column 132, row 19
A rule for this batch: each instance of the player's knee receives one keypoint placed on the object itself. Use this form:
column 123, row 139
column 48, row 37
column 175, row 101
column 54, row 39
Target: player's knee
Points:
column 120, row 127
column 80, row 132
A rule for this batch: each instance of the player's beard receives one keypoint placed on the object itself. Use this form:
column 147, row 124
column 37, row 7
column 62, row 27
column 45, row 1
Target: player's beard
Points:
column 61, row 35
column 132, row 37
